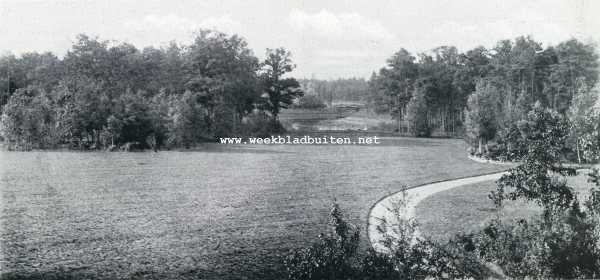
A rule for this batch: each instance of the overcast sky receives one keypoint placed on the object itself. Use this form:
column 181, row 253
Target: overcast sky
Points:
column 328, row 39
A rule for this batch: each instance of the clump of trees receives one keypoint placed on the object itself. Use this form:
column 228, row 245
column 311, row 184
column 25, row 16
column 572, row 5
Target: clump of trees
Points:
column 510, row 78
column 562, row 242
column 104, row 94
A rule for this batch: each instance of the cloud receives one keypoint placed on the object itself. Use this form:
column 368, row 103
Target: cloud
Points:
column 338, row 26
column 544, row 27
column 172, row 23
column 347, row 43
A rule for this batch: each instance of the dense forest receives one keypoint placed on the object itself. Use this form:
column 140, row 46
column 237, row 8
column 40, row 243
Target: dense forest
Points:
column 104, row 94
column 483, row 93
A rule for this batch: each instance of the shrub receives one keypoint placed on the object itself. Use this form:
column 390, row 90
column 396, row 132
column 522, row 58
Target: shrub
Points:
column 559, row 244
column 335, row 255
column 416, row 257
column 260, row 124
column 331, row 257
column 310, row 102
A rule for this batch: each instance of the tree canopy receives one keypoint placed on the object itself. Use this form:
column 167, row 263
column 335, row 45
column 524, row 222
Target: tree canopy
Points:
column 105, row 94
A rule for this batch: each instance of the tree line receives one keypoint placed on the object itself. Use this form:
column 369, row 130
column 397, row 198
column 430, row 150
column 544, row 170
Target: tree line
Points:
column 430, row 91
column 105, row 94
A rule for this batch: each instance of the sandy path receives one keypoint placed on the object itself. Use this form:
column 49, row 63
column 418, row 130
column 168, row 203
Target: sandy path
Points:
column 382, row 209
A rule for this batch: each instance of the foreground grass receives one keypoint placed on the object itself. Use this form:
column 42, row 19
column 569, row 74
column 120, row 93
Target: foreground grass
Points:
column 467, row 209
column 228, row 212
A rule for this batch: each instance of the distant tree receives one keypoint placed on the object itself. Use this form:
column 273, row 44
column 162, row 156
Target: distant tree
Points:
column 222, row 71
column 417, row 114
column 82, row 111
column 475, row 65
column 132, row 120
column 575, row 60
column 589, row 136
column 280, row 91
column 399, row 78
column 480, row 115
column 581, row 116
column 187, row 121
column 27, row 119
column 378, row 100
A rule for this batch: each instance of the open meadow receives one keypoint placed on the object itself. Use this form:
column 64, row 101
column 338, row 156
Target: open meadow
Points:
column 219, row 212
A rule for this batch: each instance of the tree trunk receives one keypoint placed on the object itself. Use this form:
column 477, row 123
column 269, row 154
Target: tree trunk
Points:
column 480, row 149
column 234, row 116
column 577, row 147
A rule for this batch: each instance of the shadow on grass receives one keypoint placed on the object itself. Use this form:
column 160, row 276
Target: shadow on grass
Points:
column 268, row 268
column 46, row 276
column 66, row 275
column 234, row 148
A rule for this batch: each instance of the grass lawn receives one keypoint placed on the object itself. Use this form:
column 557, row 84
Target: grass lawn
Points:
column 225, row 212
column 468, row 208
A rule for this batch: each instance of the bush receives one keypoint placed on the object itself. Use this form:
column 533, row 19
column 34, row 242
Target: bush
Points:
column 331, row 257
column 260, row 124
column 310, row 102
column 335, row 255
column 560, row 244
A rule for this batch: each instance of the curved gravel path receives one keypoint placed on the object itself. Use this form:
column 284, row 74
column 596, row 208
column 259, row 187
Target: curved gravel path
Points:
column 382, row 208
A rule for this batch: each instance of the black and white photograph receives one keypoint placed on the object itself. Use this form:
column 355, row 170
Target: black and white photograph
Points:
column 299, row 139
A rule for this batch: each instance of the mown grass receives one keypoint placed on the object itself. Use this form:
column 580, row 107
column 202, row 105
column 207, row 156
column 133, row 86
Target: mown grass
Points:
column 468, row 208
column 227, row 212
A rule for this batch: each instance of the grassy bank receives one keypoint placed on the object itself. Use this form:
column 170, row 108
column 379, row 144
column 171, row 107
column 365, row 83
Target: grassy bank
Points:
column 468, row 208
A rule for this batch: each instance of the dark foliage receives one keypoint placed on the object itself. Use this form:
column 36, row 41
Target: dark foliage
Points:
column 519, row 72
column 105, row 96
